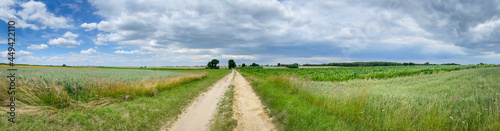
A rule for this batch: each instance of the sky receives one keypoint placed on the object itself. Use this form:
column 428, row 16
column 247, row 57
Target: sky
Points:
column 193, row 32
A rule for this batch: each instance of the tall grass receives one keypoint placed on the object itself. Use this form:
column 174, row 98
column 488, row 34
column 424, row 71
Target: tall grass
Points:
column 79, row 86
column 463, row 100
column 292, row 112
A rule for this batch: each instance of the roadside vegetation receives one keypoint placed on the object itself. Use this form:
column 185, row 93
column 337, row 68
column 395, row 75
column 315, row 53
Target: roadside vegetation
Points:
column 290, row 112
column 134, row 103
column 459, row 100
column 223, row 120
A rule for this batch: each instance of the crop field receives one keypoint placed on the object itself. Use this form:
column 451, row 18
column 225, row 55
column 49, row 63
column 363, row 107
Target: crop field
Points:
column 92, row 99
column 348, row 73
column 60, row 87
column 429, row 98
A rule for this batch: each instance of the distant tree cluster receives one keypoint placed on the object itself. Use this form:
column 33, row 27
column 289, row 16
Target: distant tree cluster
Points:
column 294, row 65
column 251, row 66
column 213, row 64
column 410, row 63
column 358, row 64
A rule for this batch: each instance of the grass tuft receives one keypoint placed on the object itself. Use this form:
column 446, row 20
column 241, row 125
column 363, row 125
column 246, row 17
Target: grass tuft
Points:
column 223, row 120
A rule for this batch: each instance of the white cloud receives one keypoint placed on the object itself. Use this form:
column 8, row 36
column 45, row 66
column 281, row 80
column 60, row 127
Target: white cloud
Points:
column 63, row 42
column 70, row 35
column 7, row 12
column 89, row 26
column 131, row 52
column 90, row 51
column 247, row 57
column 485, row 29
column 76, row 59
column 100, row 40
column 67, row 41
column 187, row 50
column 32, row 11
column 38, row 47
column 118, row 47
column 426, row 46
column 17, row 54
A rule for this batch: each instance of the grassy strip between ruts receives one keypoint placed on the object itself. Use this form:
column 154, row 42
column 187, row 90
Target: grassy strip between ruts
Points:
column 460, row 100
column 142, row 113
column 291, row 112
column 223, row 120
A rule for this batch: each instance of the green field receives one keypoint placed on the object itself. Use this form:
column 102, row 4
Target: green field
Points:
column 431, row 97
column 63, row 87
column 348, row 73
column 96, row 99
column 313, row 99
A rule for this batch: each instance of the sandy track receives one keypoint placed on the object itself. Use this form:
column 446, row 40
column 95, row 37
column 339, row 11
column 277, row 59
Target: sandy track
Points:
column 198, row 114
column 248, row 108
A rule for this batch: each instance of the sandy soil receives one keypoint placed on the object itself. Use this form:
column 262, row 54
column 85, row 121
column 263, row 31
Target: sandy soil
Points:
column 248, row 109
column 198, row 114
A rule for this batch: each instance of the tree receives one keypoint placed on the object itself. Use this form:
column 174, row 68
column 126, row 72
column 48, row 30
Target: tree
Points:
column 279, row 64
column 295, row 65
column 213, row 64
column 231, row 64
column 254, row 64
column 426, row 63
column 243, row 65
column 64, row 65
column 209, row 64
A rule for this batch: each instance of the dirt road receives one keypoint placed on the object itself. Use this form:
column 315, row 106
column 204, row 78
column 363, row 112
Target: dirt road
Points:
column 248, row 110
column 198, row 114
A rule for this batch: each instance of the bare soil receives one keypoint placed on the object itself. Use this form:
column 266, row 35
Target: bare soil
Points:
column 248, row 109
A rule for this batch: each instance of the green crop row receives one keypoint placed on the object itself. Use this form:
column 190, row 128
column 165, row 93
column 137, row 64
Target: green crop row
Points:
column 349, row 73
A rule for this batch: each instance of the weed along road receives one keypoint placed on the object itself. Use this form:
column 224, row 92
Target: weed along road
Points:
column 249, row 111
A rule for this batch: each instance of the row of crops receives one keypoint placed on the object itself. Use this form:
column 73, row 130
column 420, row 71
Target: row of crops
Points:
column 348, row 73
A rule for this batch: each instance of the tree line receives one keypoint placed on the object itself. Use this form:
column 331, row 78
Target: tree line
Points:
column 213, row 64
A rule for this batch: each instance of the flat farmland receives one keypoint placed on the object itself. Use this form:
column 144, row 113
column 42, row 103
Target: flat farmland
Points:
column 349, row 73
column 94, row 98
column 381, row 98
